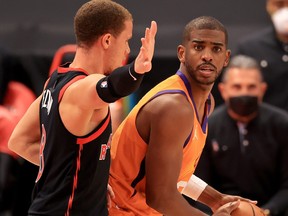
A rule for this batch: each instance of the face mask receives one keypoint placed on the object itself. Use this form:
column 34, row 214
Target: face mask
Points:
column 243, row 105
column 280, row 20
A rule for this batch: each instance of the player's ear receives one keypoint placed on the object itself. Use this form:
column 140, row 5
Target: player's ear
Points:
column 106, row 40
column 181, row 53
column 227, row 59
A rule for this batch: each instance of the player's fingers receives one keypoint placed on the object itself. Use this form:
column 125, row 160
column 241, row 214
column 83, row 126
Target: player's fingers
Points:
column 144, row 42
column 110, row 191
column 109, row 202
column 233, row 205
column 147, row 34
column 153, row 29
column 248, row 200
column 151, row 32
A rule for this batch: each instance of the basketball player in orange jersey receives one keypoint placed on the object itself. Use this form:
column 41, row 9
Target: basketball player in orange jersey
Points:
column 66, row 130
column 156, row 148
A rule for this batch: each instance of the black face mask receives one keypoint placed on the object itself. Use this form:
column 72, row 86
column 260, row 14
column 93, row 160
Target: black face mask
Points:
column 243, row 105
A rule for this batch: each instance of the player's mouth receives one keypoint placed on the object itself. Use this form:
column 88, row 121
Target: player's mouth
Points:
column 206, row 69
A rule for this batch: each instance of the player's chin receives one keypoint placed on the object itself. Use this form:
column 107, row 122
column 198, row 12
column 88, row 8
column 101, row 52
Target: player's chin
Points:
column 206, row 81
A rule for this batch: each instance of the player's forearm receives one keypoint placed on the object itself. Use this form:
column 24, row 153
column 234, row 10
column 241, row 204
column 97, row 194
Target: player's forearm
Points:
column 211, row 198
column 32, row 154
column 120, row 83
column 28, row 151
column 169, row 203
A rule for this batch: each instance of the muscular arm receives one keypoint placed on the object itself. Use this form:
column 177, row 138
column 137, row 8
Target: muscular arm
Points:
column 165, row 124
column 170, row 121
column 99, row 90
column 25, row 139
column 92, row 94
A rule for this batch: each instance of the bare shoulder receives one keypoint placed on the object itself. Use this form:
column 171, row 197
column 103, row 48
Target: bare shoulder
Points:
column 83, row 89
column 81, row 109
column 168, row 113
column 82, row 94
column 175, row 104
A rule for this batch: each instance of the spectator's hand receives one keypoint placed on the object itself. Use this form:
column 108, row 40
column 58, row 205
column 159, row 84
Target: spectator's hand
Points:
column 110, row 195
column 143, row 62
column 227, row 208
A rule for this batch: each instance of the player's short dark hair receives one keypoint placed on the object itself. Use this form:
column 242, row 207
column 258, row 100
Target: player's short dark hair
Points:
column 203, row 22
column 98, row 17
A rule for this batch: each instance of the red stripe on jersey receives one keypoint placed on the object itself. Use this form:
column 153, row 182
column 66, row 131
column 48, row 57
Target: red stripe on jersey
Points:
column 68, row 84
column 94, row 136
column 75, row 182
column 67, row 69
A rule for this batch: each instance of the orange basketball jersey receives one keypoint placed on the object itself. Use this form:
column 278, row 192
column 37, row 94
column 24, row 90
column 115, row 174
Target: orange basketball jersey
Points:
column 127, row 172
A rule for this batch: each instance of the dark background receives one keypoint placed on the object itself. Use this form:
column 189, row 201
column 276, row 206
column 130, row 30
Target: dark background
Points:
column 32, row 30
column 39, row 26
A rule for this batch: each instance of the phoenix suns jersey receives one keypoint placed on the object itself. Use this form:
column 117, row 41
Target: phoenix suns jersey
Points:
column 74, row 171
column 127, row 171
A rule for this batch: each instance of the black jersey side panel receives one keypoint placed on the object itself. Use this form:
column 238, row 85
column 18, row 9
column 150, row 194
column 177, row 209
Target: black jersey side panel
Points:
column 73, row 175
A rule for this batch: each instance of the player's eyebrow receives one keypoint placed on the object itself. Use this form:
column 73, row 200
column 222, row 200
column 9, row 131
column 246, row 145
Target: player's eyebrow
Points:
column 202, row 42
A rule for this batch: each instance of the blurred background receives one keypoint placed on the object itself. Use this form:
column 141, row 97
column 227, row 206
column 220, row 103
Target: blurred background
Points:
column 31, row 31
column 40, row 27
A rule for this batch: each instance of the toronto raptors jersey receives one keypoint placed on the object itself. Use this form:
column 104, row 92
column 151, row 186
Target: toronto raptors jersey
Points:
column 73, row 172
column 127, row 171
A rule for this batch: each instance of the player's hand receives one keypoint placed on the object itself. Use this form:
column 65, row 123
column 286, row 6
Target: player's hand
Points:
column 143, row 62
column 266, row 212
column 227, row 208
column 110, row 195
column 228, row 199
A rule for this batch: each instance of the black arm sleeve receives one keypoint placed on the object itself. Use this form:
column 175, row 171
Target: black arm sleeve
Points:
column 120, row 83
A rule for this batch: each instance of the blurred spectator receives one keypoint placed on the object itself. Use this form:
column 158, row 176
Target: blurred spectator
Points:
column 246, row 151
column 270, row 48
column 15, row 98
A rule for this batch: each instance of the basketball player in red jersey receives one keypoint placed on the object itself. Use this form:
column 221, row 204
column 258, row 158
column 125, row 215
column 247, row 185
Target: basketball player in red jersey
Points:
column 156, row 148
column 70, row 122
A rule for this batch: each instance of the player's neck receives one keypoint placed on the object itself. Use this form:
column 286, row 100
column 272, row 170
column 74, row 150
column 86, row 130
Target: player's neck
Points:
column 89, row 60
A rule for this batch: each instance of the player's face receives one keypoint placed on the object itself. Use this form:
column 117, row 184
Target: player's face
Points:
column 119, row 49
column 205, row 55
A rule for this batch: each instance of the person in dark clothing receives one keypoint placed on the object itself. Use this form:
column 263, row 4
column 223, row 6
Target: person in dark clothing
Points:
column 247, row 147
column 270, row 48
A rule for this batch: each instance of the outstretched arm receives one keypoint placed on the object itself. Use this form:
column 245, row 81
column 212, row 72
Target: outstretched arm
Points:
column 123, row 81
column 120, row 83
column 143, row 60
column 169, row 120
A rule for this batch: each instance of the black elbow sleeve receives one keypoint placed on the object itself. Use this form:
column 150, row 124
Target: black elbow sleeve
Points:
column 120, row 83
